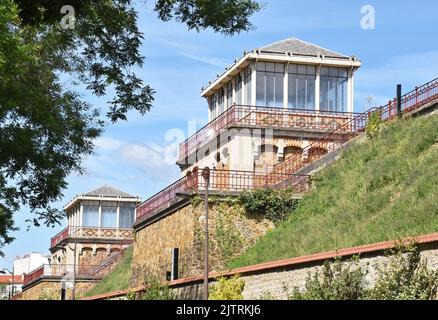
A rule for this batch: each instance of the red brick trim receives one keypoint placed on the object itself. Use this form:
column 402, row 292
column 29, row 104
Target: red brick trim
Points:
column 369, row 248
column 114, row 294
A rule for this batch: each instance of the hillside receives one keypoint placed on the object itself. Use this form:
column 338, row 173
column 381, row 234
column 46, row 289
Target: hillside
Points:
column 117, row 279
column 381, row 189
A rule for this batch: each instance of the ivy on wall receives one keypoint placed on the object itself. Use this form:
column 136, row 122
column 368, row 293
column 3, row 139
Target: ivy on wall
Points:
column 275, row 205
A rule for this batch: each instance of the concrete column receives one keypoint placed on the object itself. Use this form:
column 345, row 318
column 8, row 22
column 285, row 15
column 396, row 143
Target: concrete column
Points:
column 234, row 90
column 118, row 214
column 350, row 94
column 253, row 84
column 318, row 88
column 209, row 109
column 100, row 213
column 286, row 86
column 81, row 213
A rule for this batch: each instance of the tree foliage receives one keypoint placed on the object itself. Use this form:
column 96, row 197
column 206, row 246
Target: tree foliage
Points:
column 46, row 127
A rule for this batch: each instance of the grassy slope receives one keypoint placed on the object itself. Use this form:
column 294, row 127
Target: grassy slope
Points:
column 383, row 189
column 118, row 279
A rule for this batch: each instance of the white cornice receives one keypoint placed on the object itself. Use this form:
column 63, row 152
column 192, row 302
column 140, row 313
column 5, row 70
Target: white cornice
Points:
column 285, row 58
column 97, row 198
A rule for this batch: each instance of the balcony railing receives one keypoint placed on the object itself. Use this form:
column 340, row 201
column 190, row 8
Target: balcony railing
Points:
column 240, row 115
column 91, row 232
column 60, row 270
column 220, row 180
column 283, row 173
column 416, row 99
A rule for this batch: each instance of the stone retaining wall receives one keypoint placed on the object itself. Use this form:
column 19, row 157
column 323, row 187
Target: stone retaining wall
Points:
column 231, row 231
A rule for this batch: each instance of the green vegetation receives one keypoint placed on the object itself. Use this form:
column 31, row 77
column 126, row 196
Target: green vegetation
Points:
column 374, row 123
column 406, row 277
column 118, row 279
column 275, row 205
column 157, row 291
column 227, row 289
column 382, row 189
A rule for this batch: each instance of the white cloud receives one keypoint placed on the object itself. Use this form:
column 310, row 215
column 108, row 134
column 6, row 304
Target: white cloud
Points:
column 107, row 144
column 116, row 161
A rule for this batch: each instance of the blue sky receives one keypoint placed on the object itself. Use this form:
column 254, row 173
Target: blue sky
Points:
column 131, row 156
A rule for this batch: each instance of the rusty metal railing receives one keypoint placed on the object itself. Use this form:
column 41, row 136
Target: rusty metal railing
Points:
column 58, row 271
column 246, row 115
column 411, row 101
column 90, row 232
column 220, row 181
column 350, row 126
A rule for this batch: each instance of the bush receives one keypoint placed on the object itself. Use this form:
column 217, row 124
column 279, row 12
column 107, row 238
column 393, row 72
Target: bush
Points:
column 275, row 205
column 227, row 289
column 405, row 277
column 373, row 126
column 338, row 281
column 157, row 291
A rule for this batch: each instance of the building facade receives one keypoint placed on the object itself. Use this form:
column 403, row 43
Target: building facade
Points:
column 273, row 112
column 270, row 105
column 99, row 227
column 99, row 224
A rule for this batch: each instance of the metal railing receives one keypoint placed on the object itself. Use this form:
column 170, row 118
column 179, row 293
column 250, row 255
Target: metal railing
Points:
column 352, row 125
column 220, row 180
column 91, row 232
column 411, row 101
column 59, row 271
column 246, row 115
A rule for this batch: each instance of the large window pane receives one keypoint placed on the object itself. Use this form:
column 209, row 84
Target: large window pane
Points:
column 127, row 211
column 239, row 89
column 229, row 94
column 334, row 89
column 213, row 106
column 260, row 89
column 109, row 215
column 221, row 101
column 248, row 90
column 91, row 214
column 301, row 87
column 269, row 87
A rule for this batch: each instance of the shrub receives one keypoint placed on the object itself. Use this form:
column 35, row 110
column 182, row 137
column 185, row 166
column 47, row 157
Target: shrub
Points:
column 157, row 291
column 373, row 126
column 406, row 277
column 275, row 205
column 338, row 281
column 227, row 289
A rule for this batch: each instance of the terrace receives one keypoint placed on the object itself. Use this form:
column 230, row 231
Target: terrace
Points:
column 61, row 270
column 283, row 174
column 267, row 117
column 221, row 181
column 118, row 234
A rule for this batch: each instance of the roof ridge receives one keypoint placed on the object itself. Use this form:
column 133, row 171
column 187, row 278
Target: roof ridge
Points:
column 317, row 45
column 303, row 42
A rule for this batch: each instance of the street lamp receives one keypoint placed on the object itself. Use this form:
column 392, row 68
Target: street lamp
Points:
column 11, row 292
column 206, row 176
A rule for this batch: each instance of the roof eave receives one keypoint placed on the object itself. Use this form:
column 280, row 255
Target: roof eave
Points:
column 278, row 57
column 97, row 198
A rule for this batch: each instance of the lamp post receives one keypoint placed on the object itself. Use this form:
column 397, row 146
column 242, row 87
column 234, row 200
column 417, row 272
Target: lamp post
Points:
column 11, row 292
column 206, row 176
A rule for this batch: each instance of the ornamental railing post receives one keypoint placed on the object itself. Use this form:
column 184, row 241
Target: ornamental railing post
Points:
column 399, row 104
